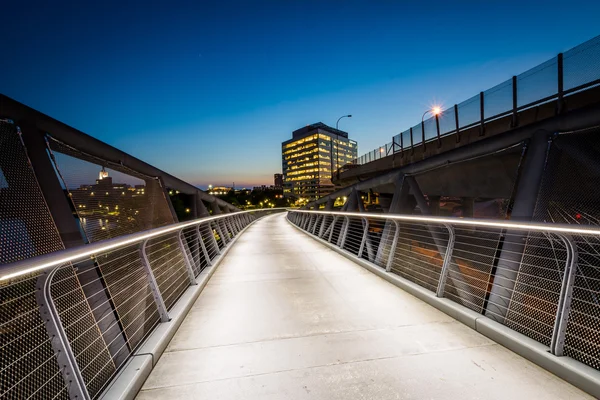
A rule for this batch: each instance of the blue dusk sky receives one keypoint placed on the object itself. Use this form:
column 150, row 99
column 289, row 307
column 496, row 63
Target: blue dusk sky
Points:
column 207, row 91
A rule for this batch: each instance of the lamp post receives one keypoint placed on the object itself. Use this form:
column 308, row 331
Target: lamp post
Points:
column 337, row 153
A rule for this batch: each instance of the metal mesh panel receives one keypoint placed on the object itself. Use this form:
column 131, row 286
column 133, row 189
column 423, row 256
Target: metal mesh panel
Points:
column 194, row 249
column 469, row 270
column 28, row 369
column 569, row 194
column 110, row 202
column 537, row 83
column 420, row 252
column 498, row 99
column 168, row 266
column 469, row 111
column 26, row 227
column 581, row 64
column 127, row 282
column 581, row 341
column 533, row 304
column 354, row 235
column 86, row 341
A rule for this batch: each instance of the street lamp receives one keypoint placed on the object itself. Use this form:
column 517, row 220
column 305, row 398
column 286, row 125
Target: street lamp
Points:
column 337, row 153
column 435, row 111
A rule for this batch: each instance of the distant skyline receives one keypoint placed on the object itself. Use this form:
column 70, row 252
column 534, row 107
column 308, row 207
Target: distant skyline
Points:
column 208, row 91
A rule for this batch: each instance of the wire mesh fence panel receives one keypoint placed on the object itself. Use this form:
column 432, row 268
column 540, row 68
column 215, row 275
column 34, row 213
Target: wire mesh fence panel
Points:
column 336, row 230
column 537, row 83
column 419, row 254
column 381, row 235
column 537, row 286
column 109, row 200
column 84, row 336
column 194, row 249
column 29, row 368
column 168, row 266
column 354, row 235
column 569, row 195
column 471, row 265
column 498, row 99
column 447, row 122
column 582, row 335
column 469, row 111
column 26, row 227
column 216, row 228
column 581, row 64
column 127, row 282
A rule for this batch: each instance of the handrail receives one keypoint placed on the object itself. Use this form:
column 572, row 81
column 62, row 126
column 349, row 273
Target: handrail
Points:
column 536, row 280
column 39, row 263
column 553, row 228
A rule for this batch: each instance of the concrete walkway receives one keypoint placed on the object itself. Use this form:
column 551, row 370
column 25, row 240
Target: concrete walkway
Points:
column 286, row 318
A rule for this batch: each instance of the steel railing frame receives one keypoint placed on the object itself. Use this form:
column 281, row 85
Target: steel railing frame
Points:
column 561, row 231
column 46, row 266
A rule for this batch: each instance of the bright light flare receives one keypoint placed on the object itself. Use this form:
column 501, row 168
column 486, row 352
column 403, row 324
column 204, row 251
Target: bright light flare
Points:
column 436, row 110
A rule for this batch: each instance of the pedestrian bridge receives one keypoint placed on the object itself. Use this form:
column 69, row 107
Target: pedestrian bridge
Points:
column 286, row 317
column 277, row 304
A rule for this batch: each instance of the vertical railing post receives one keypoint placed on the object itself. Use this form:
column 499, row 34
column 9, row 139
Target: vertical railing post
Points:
column 212, row 235
column 447, row 260
column 363, row 241
column 515, row 120
column 401, row 144
column 158, row 299
column 563, row 308
column 437, row 127
column 560, row 88
column 412, row 142
column 423, row 136
column 203, row 246
column 343, row 233
column 67, row 363
column 186, row 259
column 388, row 265
column 481, row 114
column 456, row 123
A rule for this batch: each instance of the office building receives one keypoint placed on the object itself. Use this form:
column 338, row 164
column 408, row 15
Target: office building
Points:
column 311, row 156
column 278, row 181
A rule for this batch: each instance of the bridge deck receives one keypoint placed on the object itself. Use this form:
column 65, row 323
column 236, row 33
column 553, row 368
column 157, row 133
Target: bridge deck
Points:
column 286, row 318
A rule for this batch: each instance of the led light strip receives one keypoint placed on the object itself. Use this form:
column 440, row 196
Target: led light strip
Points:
column 554, row 228
column 24, row 267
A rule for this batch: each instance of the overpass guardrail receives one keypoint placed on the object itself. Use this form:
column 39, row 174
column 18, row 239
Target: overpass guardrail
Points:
column 573, row 71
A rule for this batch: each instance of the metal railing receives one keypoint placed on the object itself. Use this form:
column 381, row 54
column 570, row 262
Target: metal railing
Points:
column 573, row 71
column 541, row 280
column 70, row 319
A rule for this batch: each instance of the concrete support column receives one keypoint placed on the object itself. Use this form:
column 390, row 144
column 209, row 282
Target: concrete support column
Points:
column 513, row 245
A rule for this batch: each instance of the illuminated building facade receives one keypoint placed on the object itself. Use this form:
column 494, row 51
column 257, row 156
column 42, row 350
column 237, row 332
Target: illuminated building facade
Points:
column 310, row 157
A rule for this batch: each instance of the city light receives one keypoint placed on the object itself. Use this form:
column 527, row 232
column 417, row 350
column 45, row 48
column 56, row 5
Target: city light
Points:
column 436, row 110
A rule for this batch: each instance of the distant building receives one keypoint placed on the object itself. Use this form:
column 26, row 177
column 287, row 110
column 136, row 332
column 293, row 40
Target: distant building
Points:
column 310, row 158
column 278, row 180
column 218, row 190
